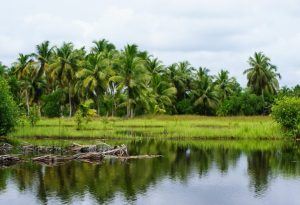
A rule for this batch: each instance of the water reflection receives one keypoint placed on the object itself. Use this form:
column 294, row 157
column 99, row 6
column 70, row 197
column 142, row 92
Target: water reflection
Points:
column 187, row 167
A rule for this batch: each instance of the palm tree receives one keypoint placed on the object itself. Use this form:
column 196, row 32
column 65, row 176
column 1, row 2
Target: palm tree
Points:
column 154, row 66
column 43, row 54
column 132, row 77
column 262, row 76
column 102, row 45
column 64, row 67
column 204, row 91
column 95, row 76
column 23, row 70
column 225, row 84
column 180, row 75
column 21, row 65
column 164, row 93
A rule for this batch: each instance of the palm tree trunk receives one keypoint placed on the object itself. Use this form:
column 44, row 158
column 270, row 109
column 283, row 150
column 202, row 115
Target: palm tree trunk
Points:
column 70, row 100
column 98, row 105
column 27, row 102
column 128, row 108
column 263, row 99
column 128, row 102
column 131, row 112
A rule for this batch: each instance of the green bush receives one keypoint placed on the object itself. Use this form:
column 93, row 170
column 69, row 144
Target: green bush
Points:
column 34, row 115
column 244, row 104
column 184, row 106
column 286, row 111
column 51, row 104
column 78, row 119
column 8, row 109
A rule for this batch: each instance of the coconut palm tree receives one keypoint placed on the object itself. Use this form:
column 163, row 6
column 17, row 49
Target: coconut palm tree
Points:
column 102, row 45
column 225, row 84
column 180, row 75
column 164, row 93
column 95, row 76
column 132, row 77
column 67, row 61
column 24, row 72
column 262, row 75
column 43, row 54
column 20, row 65
column 204, row 92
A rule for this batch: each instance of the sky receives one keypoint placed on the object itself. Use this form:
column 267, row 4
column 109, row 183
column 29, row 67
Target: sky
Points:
column 216, row 34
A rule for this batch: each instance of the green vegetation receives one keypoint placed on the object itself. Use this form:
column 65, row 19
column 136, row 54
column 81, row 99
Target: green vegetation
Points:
column 286, row 111
column 34, row 115
column 158, row 127
column 131, row 82
column 104, row 81
column 8, row 109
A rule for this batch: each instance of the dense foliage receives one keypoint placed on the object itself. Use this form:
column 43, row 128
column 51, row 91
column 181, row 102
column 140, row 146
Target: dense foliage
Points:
column 8, row 109
column 286, row 111
column 128, row 82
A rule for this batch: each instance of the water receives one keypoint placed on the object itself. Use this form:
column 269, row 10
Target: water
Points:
column 189, row 173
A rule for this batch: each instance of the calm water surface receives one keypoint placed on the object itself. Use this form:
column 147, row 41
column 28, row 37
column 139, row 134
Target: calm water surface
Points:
column 187, row 174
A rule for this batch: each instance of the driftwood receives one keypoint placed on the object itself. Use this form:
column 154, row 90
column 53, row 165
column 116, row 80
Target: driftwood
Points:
column 40, row 149
column 5, row 147
column 92, row 157
column 86, row 153
column 117, row 151
column 7, row 160
column 89, row 148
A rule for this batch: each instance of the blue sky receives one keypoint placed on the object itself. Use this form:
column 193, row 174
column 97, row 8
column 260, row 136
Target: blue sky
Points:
column 215, row 34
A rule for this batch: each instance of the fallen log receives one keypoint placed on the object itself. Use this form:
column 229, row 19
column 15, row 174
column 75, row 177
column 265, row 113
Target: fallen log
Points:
column 40, row 149
column 7, row 160
column 89, row 157
column 89, row 148
column 5, row 147
column 118, row 151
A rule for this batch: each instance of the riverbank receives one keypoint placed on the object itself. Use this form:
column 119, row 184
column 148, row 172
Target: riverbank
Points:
column 160, row 127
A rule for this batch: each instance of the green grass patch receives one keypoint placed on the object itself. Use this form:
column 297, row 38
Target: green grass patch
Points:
column 159, row 127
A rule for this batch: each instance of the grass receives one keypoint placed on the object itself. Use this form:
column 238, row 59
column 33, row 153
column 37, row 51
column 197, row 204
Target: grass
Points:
column 158, row 127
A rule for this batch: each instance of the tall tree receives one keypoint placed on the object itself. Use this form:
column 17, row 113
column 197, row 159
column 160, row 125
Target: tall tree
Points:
column 102, row 45
column 43, row 54
column 24, row 71
column 181, row 74
column 132, row 77
column 95, row 76
column 225, row 84
column 262, row 75
column 66, row 63
column 204, row 92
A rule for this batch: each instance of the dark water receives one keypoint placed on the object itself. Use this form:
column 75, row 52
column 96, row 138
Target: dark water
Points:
column 187, row 174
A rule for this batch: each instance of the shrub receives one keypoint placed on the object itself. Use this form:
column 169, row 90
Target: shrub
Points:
column 8, row 109
column 244, row 104
column 51, row 104
column 34, row 115
column 78, row 119
column 286, row 111
column 86, row 111
column 184, row 106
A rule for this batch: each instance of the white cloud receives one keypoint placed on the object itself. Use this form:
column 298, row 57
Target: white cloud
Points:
column 212, row 33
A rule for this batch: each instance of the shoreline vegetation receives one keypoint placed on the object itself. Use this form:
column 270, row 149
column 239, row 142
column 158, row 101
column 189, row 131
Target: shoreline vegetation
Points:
column 157, row 127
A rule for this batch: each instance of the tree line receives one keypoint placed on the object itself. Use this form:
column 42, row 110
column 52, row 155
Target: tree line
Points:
column 129, row 82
